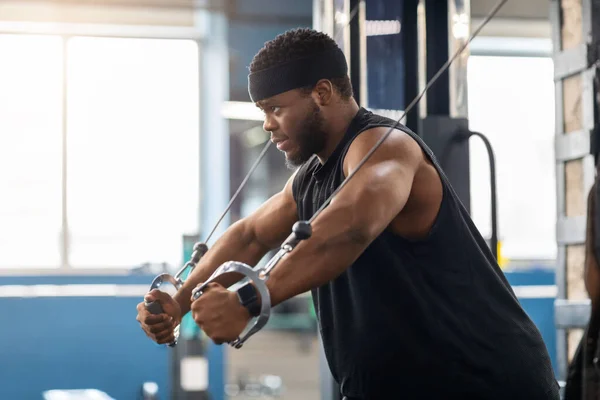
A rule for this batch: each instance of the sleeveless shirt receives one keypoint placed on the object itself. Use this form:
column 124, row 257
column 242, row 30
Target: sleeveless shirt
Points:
column 433, row 318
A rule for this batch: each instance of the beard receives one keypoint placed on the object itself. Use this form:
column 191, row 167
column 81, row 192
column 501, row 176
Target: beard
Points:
column 310, row 137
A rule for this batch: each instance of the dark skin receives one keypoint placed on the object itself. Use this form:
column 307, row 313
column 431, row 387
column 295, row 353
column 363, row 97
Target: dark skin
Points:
column 591, row 267
column 398, row 189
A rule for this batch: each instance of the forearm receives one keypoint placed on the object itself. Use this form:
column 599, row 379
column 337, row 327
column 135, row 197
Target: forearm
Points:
column 238, row 243
column 334, row 245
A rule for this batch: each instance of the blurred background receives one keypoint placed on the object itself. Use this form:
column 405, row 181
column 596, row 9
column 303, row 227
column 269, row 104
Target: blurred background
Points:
column 126, row 125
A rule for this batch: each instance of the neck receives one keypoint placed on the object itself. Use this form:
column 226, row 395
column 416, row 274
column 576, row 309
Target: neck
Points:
column 337, row 126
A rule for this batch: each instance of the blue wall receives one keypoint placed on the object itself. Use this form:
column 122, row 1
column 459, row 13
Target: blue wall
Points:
column 95, row 342
column 77, row 342
column 540, row 310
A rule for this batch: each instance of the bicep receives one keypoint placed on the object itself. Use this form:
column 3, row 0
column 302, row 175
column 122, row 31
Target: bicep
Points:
column 272, row 222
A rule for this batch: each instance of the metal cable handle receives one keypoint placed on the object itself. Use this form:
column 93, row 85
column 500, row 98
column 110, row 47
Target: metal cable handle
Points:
column 154, row 307
column 300, row 231
column 199, row 248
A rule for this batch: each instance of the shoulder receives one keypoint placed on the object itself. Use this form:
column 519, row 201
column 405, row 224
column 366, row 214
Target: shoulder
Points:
column 393, row 146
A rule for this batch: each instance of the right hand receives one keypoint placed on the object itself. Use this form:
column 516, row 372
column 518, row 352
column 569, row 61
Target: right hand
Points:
column 159, row 327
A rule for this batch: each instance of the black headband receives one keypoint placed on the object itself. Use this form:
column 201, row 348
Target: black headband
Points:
column 296, row 74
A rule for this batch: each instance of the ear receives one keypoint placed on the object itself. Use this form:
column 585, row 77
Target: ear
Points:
column 323, row 92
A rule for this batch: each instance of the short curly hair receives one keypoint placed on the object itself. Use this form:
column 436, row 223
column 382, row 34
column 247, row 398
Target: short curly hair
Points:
column 295, row 44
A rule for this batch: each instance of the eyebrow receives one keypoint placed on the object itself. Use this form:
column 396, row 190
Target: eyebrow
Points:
column 262, row 103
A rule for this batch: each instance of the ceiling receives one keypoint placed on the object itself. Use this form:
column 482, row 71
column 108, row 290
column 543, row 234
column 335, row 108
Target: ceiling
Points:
column 521, row 18
column 537, row 9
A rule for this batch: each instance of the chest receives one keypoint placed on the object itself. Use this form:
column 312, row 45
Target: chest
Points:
column 316, row 191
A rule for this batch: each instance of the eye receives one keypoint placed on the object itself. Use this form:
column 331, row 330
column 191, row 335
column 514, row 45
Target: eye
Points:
column 274, row 109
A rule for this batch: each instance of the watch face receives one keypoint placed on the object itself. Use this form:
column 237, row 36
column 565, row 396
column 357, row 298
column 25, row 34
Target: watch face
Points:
column 247, row 294
column 249, row 299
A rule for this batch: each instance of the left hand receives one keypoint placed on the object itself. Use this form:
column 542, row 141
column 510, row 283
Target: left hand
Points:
column 219, row 313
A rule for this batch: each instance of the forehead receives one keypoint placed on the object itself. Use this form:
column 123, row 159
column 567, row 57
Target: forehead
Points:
column 282, row 98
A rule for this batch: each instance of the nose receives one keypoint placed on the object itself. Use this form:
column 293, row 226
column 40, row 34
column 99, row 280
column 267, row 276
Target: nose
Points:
column 269, row 125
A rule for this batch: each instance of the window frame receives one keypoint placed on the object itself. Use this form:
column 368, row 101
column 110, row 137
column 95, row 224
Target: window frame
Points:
column 66, row 31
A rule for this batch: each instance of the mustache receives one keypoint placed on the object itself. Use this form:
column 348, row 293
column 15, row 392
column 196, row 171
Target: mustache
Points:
column 278, row 138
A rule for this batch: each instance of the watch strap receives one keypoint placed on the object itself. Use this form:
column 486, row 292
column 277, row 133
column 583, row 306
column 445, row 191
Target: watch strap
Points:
column 248, row 296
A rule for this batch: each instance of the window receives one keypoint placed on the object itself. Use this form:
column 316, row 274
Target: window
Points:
column 30, row 151
column 132, row 148
column 511, row 101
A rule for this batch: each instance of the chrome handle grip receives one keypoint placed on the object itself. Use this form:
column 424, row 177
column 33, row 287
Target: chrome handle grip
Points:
column 261, row 286
column 300, row 231
column 154, row 307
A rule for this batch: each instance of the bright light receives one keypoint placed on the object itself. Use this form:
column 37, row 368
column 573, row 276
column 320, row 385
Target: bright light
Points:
column 341, row 18
column 460, row 26
column 382, row 27
column 30, row 150
column 133, row 150
column 511, row 101
column 243, row 110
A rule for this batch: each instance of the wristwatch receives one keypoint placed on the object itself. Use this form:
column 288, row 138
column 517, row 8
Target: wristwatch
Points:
column 248, row 296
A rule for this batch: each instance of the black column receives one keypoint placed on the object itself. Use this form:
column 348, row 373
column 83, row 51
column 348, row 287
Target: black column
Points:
column 355, row 50
column 436, row 20
column 438, row 129
column 410, row 44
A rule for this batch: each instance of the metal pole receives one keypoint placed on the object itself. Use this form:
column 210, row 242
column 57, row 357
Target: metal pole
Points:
column 324, row 20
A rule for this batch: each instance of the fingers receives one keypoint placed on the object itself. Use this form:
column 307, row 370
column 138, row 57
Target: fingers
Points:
column 158, row 327
column 210, row 286
column 164, row 335
column 166, row 325
column 141, row 309
column 157, row 295
column 161, row 335
column 145, row 317
column 152, row 319
column 167, row 339
column 210, row 305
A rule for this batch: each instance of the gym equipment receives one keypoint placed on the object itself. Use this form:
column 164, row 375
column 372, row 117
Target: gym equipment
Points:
column 154, row 307
column 267, row 386
column 200, row 249
column 448, row 138
column 300, row 231
column 150, row 391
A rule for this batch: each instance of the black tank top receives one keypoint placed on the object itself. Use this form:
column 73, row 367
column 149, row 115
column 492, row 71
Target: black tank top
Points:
column 423, row 319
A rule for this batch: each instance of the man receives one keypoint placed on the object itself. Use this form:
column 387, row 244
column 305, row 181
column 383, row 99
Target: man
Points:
column 410, row 301
column 583, row 380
